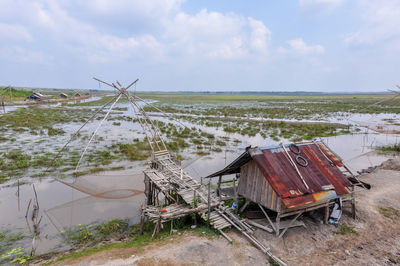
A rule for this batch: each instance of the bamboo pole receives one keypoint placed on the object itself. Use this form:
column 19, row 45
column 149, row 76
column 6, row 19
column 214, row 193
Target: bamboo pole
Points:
column 94, row 132
column 266, row 215
column 208, row 201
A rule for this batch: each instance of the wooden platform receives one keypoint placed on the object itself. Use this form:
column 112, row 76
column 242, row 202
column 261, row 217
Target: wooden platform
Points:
column 167, row 177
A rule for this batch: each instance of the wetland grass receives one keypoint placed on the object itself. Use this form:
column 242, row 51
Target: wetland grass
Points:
column 39, row 119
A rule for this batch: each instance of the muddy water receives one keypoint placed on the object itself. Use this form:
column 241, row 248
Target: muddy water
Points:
column 62, row 206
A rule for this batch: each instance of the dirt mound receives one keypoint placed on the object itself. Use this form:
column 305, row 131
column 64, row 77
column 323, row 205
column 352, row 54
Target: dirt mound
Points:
column 392, row 164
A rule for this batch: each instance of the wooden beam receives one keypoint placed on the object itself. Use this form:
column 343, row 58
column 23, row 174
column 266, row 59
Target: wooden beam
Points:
column 265, row 228
column 269, row 220
column 291, row 222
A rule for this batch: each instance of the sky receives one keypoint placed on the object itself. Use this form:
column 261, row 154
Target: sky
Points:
column 202, row 45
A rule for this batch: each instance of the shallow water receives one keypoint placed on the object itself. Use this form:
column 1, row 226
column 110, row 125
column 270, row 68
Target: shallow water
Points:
column 62, row 206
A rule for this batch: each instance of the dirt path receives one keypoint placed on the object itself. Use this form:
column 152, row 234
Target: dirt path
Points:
column 374, row 240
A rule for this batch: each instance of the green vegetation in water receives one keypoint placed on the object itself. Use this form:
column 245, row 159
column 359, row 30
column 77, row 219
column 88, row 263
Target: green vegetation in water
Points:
column 389, row 212
column 139, row 150
column 88, row 234
column 392, row 148
column 96, row 170
column 15, row 255
column 103, row 101
column 14, row 164
column 9, row 253
column 278, row 106
column 36, row 119
column 345, row 230
column 113, row 227
column 131, row 236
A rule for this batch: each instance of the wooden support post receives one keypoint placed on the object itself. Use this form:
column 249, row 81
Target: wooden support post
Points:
column 194, row 206
column 291, row 222
column 326, row 216
column 194, row 199
column 353, row 204
column 269, row 230
column 156, row 229
column 234, row 190
column 269, row 220
column 278, row 219
column 226, row 236
column 142, row 223
column 244, row 206
column 219, row 186
column 208, row 202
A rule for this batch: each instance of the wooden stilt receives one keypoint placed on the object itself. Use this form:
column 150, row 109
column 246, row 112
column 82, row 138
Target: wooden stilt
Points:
column 156, row 229
column 244, row 206
column 291, row 222
column 326, row 216
column 269, row 220
column 278, row 219
column 142, row 224
column 234, row 190
column 353, row 204
column 219, row 186
column 226, row 236
column 208, row 202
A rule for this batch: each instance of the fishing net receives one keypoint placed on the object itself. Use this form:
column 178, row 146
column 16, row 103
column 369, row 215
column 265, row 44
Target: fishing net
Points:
column 91, row 209
column 108, row 185
column 95, row 159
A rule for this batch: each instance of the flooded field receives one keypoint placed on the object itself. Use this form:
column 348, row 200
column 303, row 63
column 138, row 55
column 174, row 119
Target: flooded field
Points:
column 205, row 133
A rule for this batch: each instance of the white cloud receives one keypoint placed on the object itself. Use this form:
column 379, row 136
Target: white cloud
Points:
column 206, row 34
column 320, row 2
column 14, row 32
column 217, row 35
column 22, row 55
column 300, row 47
column 319, row 7
column 382, row 19
column 60, row 29
column 260, row 36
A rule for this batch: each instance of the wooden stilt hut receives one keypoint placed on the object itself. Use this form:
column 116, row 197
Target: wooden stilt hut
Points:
column 291, row 179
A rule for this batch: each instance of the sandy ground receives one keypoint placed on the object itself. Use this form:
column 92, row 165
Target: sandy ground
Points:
column 376, row 242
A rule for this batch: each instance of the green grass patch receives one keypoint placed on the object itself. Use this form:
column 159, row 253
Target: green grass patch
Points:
column 40, row 119
column 391, row 148
column 389, row 212
column 134, row 239
column 8, row 240
column 345, row 230
column 13, row 94
column 132, row 151
column 113, row 227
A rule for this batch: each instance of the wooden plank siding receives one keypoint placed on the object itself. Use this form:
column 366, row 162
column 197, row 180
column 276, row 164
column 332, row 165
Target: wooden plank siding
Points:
column 254, row 186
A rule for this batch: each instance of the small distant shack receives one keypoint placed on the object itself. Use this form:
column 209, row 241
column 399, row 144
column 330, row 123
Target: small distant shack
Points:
column 36, row 96
column 290, row 179
column 77, row 94
column 63, row 95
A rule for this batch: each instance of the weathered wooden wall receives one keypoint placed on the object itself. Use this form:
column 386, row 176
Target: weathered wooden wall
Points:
column 254, row 186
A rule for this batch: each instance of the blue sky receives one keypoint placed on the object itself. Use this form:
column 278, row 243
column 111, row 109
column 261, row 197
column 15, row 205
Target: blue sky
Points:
column 203, row 45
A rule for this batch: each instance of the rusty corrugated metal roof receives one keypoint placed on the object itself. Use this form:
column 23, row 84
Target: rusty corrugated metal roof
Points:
column 281, row 174
column 321, row 174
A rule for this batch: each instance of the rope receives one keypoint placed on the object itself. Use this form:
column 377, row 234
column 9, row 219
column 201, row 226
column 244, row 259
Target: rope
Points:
column 94, row 133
